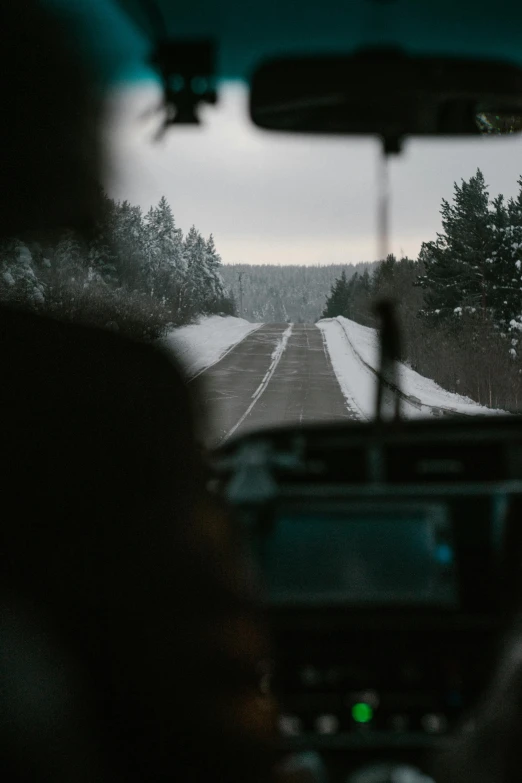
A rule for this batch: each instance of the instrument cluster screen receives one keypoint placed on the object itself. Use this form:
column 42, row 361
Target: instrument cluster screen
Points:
column 374, row 556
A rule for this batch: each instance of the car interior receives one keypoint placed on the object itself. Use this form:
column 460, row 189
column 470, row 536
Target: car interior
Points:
column 389, row 551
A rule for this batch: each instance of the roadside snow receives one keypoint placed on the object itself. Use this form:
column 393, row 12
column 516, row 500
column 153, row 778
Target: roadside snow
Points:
column 357, row 385
column 200, row 345
column 354, row 351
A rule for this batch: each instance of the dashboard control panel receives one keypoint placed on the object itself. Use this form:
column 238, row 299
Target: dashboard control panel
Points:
column 390, row 559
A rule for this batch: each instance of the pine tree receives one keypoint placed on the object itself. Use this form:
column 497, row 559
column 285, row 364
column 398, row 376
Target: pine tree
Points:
column 128, row 237
column 19, row 280
column 501, row 263
column 512, row 277
column 164, row 250
column 102, row 256
column 360, row 299
column 213, row 260
column 383, row 276
column 68, row 262
column 198, row 286
column 338, row 301
column 458, row 273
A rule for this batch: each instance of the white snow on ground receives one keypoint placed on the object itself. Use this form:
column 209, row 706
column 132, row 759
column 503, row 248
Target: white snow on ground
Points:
column 354, row 351
column 202, row 344
column 357, row 385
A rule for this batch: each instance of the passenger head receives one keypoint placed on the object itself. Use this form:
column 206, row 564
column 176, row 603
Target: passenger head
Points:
column 108, row 535
column 50, row 146
column 108, row 540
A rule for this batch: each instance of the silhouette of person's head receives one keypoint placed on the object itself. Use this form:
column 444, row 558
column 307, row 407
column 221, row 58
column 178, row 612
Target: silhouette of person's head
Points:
column 108, row 540
column 50, row 145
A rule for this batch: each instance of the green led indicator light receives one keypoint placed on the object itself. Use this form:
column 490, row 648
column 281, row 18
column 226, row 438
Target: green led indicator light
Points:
column 362, row 713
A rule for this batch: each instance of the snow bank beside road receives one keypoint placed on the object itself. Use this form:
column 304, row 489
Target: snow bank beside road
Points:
column 354, row 351
column 357, row 384
column 204, row 343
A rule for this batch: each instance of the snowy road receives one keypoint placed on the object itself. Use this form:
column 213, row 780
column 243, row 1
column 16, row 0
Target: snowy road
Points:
column 257, row 375
column 278, row 373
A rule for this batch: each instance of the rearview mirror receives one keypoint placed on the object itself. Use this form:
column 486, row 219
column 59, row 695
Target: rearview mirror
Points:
column 387, row 93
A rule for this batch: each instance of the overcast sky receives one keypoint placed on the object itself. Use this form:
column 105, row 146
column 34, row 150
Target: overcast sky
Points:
column 271, row 198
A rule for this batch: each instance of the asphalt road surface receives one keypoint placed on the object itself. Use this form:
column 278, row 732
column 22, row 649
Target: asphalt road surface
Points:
column 278, row 373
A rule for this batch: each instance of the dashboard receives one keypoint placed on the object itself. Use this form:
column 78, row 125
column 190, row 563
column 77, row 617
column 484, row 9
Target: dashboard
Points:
column 389, row 557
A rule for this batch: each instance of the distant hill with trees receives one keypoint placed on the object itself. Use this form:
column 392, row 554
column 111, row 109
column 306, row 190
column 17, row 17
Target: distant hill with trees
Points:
column 270, row 292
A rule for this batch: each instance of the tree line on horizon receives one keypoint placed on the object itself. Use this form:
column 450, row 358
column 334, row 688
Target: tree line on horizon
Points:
column 284, row 292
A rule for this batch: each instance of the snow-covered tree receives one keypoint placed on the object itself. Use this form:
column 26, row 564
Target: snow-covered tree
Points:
column 214, row 270
column 103, row 262
column 458, row 272
column 511, row 316
column 164, row 249
column 129, row 239
column 19, row 280
column 203, row 284
column 501, row 264
column 131, row 269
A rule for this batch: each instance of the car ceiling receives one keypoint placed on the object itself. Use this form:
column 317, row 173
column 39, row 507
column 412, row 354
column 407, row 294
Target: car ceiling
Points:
column 119, row 35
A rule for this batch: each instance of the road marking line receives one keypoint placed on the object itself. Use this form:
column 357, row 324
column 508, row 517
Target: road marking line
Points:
column 276, row 357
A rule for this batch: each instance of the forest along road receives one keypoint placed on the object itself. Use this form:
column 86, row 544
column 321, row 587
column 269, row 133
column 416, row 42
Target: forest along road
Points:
column 280, row 373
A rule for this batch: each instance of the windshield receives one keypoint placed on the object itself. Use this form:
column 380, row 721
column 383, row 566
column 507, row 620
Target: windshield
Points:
column 256, row 258
column 295, row 253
